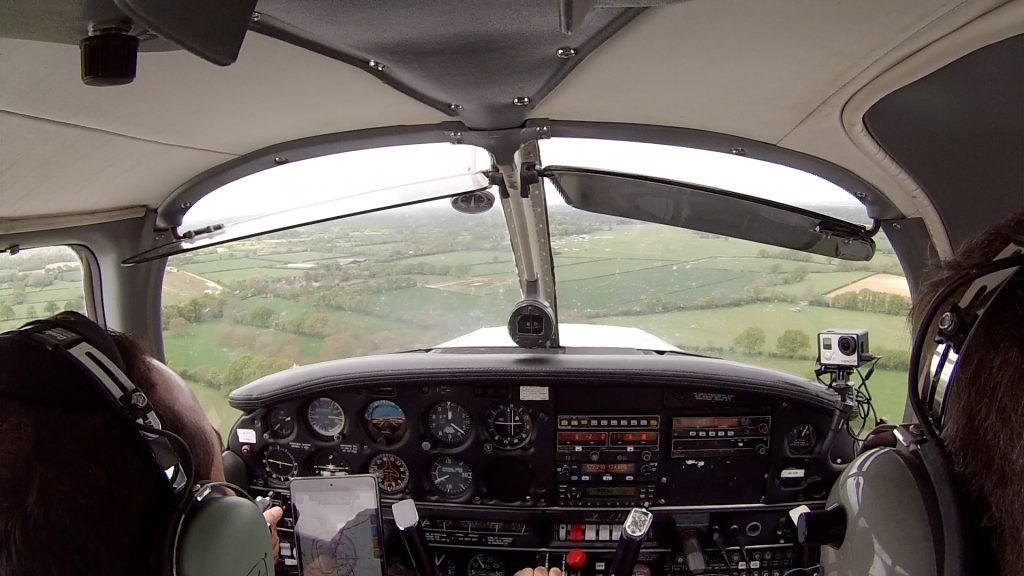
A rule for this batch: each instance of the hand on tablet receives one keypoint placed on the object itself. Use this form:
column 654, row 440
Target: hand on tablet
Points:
column 539, row 571
column 273, row 515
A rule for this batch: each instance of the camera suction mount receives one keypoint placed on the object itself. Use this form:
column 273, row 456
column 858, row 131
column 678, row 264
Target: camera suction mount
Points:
column 532, row 324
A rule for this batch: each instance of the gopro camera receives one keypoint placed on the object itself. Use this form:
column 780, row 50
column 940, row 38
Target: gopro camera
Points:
column 840, row 348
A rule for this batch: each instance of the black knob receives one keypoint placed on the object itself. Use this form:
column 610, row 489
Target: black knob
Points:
column 822, row 527
column 594, row 456
column 109, row 59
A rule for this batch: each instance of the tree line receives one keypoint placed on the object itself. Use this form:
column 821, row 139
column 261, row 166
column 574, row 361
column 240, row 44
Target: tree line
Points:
column 797, row 344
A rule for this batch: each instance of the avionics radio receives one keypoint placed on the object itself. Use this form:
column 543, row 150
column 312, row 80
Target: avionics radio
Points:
column 710, row 436
column 619, row 452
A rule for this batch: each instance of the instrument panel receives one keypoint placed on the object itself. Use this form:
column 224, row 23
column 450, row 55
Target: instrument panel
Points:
column 546, row 453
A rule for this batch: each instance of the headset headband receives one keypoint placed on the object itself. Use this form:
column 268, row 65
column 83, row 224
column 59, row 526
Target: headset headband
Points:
column 955, row 330
column 61, row 335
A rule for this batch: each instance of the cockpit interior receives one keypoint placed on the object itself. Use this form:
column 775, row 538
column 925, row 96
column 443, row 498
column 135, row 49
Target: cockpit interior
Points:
column 531, row 265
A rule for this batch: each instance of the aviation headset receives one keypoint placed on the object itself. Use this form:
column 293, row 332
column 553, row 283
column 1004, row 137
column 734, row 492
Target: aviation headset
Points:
column 897, row 508
column 212, row 532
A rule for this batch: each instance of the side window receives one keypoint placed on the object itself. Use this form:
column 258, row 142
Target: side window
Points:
column 39, row 282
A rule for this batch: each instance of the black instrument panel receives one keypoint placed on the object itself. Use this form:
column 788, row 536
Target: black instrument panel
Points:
column 551, row 444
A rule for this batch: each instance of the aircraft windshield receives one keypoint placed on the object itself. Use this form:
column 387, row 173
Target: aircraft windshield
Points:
column 421, row 275
column 393, row 280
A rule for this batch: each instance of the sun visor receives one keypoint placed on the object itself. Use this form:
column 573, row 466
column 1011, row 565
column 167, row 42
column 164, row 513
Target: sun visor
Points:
column 711, row 210
column 366, row 202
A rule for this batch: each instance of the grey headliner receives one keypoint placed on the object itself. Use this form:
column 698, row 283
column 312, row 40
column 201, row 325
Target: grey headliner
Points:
column 783, row 72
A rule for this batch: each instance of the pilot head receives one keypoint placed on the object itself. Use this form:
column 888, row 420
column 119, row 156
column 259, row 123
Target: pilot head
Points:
column 985, row 407
column 945, row 496
column 78, row 492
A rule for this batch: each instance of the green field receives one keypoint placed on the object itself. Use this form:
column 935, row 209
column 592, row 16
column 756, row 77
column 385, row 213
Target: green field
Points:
column 204, row 268
column 249, row 273
column 888, row 388
column 215, row 405
column 717, row 327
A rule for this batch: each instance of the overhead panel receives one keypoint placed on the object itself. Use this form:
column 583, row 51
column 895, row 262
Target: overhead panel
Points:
column 488, row 63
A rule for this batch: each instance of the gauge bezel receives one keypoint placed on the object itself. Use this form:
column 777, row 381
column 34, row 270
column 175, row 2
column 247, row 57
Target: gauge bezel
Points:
column 437, row 436
column 406, row 477
column 312, row 462
column 266, row 466
column 313, row 427
column 385, row 438
column 276, row 411
column 508, row 444
column 802, row 451
column 491, row 556
column 451, row 460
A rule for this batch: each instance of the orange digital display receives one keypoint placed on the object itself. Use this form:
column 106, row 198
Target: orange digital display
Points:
column 582, row 438
column 634, row 438
column 617, row 468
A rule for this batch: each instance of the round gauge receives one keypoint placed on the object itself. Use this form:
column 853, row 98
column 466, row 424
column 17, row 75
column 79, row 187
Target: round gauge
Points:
column 281, row 423
column 509, row 425
column 385, row 421
column 279, row 463
column 326, row 417
column 485, row 565
column 445, row 565
column 451, row 476
column 391, row 471
column 801, row 439
column 330, row 463
column 449, row 423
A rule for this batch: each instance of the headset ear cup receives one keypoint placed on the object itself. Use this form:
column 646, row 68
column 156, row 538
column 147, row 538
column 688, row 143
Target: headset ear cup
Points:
column 224, row 536
column 892, row 520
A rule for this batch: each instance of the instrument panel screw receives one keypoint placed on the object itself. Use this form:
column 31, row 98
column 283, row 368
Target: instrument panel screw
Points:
column 256, row 16
column 280, row 160
column 521, row 101
column 839, row 460
column 375, row 65
column 455, row 107
column 426, row 446
column 566, row 52
column 738, row 151
column 185, row 205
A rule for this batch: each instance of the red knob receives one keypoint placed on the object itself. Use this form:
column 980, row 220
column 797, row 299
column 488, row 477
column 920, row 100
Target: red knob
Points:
column 575, row 559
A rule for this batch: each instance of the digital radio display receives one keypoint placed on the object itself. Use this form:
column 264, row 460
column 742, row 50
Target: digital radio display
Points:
column 582, row 438
column 685, row 422
column 634, row 438
column 599, row 468
column 612, row 491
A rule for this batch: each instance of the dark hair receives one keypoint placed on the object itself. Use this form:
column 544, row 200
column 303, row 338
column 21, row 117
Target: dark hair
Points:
column 76, row 494
column 985, row 406
column 79, row 491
